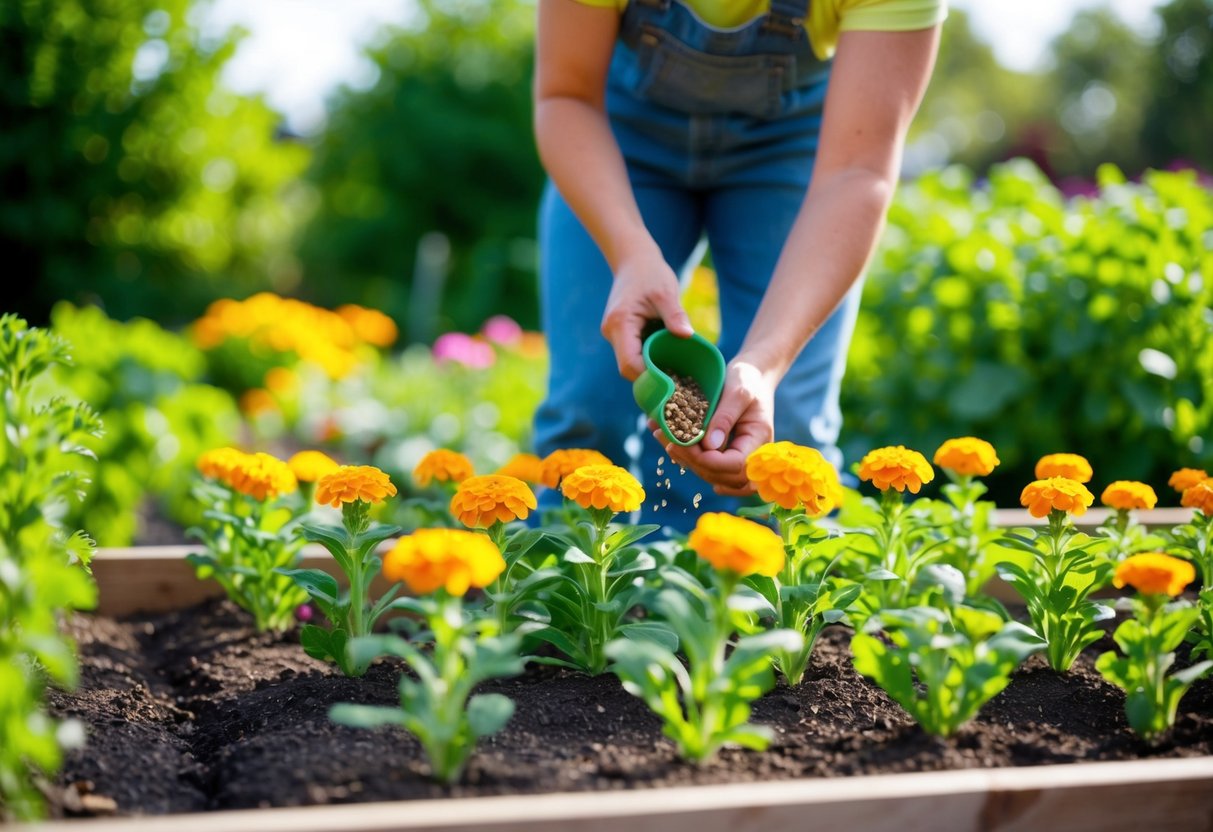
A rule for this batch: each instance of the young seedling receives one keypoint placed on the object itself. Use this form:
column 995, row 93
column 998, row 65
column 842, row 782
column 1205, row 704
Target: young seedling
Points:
column 1194, row 541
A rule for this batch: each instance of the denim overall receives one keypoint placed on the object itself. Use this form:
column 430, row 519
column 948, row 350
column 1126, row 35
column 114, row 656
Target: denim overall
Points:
column 719, row 130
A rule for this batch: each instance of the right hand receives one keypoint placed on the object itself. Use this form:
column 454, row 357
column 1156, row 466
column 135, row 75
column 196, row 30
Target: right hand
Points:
column 645, row 288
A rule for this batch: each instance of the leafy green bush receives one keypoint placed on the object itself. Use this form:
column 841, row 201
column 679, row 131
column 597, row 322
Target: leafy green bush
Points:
column 1003, row 311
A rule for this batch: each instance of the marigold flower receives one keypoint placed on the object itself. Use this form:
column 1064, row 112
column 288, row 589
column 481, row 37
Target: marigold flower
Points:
column 262, row 477
column 281, row 380
column 526, row 467
column 1154, row 573
column 792, row 475
column 217, row 463
column 1185, row 478
column 255, row 401
column 481, row 501
column 349, row 483
column 1199, row 496
column 442, row 465
column 734, row 544
column 1056, row 493
column 452, row 559
column 560, row 463
column 1128, row 494
column 1070, row 466
column 369, row 325
column 896, row 467
column 309, row 466
column 967, row 456
column 603, row 486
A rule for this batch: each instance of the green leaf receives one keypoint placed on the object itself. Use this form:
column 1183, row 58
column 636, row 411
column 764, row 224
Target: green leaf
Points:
column 629, row 535
column 487, row 713
column 332, row 538
column 652, row 631
column 575, row 555
column 318, row 584
column 365, row 716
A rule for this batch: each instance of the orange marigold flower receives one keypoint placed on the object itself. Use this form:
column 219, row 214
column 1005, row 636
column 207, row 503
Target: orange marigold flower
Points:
column 1127, row 494
column 309, row 466
column 1154, row 573
column 734, row 544
column 603, row 486
column 792, row 475
column 442, row 465
column 1056, row 493
column 256, row 401
column 217, row 463
column 1199, row 496
column 262, row 477
column 1070, row 466
column 526, row 467
column 479, row 502
column 354, row 482
column 560, row 463
column 369, row 325
column 281, row 379
column 896, row 467
column 967, row 456
column 451, row 559
column 1185, row 478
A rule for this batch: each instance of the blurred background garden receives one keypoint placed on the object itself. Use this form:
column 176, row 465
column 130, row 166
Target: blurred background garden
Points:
column 304, row 223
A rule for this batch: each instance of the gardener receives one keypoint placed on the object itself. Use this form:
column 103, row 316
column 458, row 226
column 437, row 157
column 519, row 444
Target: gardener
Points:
column 776, row 131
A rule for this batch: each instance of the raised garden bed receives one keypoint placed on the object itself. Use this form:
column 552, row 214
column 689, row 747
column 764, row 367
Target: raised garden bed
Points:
column 189, row 710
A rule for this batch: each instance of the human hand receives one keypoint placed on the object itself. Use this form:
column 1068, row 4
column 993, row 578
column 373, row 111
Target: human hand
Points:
column 743, row 420
column 645, row 288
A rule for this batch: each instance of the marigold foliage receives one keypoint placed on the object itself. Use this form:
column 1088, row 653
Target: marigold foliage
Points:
column 792, row 475
column 896, row 467
column 1056, row 493
column 262, row 477
column 734, row 544
column 603, row 486
column 310, row 466
column 1070, row 466
column 350, row 483
column 526, row 467
column 1199, row 496
column 442, row 465
column 1129, row 494
column 1154, row 573
column 1185, row 478
column 967, row 456
column 482, row 501
column 560, row 463
column 450, row 559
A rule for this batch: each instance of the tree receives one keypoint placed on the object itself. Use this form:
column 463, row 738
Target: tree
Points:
column 1176, row 125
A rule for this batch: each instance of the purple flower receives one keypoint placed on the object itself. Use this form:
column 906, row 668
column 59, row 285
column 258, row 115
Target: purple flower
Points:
column 304, row 613
column 502, row 329
column 463, row 349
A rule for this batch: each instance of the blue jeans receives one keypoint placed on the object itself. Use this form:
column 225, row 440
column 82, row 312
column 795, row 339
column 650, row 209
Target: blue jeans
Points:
column 740, row 180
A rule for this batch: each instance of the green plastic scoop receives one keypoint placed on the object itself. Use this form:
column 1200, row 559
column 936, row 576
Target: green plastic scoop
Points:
column 666, row 354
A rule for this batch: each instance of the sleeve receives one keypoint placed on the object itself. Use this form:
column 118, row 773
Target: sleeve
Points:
column 889, row 15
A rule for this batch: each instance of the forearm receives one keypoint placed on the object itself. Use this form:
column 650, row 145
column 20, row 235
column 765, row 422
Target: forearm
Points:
column 583, row 159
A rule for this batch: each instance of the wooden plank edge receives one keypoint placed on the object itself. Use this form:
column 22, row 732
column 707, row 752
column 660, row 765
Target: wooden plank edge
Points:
column 1153, row 794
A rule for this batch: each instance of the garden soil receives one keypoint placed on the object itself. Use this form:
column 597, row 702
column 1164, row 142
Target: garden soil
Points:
column 192, row 711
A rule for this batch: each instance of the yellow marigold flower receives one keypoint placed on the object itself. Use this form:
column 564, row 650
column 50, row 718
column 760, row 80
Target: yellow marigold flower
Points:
column 1185, row 478
column 792, row 475
column 1060, row 493
column 1127, row 494
column 310, row 466
column 452, row 559
column 560, row 463
column 1199, row 496
column 896, row 467
column 281, row 380
column 603, row 486
column 1154, row 573
column 216, row 464
column 369, row 325
column 256, row 401
column 442, row 465
column 481, row 501
column 1070, row 466
column 262, row 477
column 526, row 467
column 967, row 456
column 734, row 544
column 354, row 482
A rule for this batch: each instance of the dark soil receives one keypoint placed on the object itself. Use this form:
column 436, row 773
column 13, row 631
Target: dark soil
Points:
column 686, row 409
column 193, row 710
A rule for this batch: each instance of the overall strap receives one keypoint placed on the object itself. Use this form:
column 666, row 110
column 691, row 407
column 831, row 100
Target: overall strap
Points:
column 659, row 5
column 787, row 17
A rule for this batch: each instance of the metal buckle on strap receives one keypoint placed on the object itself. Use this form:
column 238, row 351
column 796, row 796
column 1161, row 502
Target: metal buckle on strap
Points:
column 792, row 27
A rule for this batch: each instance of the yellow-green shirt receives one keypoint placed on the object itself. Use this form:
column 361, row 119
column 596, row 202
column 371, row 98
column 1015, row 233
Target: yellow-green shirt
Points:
column 826, row 18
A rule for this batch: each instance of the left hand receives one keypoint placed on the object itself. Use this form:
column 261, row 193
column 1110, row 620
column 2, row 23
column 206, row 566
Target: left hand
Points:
column 744, row 419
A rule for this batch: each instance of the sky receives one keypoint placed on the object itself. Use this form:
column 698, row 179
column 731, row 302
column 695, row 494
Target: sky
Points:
column 298, row 51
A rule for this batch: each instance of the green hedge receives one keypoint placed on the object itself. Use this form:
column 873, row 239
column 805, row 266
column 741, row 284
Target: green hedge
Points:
column 1003, row 310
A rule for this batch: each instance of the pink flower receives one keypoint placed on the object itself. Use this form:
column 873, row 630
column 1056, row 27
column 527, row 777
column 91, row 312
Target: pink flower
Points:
column 304, row 613
column 502, row 329
column 463, row 349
